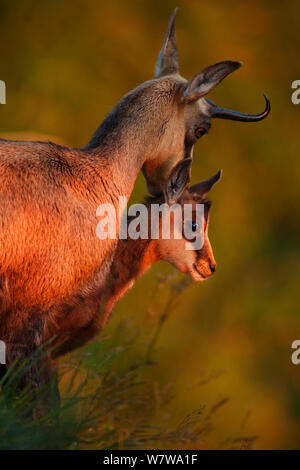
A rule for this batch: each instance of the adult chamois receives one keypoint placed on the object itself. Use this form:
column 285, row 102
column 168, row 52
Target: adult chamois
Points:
column 50, row 257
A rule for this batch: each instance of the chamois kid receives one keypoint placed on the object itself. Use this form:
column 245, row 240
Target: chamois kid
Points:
column 134, row 256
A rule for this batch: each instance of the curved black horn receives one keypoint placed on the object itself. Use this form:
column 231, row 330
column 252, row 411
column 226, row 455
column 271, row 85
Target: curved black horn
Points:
column 223, row 113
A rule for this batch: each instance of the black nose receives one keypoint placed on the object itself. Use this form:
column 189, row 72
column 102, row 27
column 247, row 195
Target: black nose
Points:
column 212, row 267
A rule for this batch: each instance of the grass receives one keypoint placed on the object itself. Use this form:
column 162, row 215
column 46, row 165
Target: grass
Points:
column 108, row 402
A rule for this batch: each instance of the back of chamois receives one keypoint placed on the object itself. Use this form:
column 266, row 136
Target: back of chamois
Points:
column 50, row 256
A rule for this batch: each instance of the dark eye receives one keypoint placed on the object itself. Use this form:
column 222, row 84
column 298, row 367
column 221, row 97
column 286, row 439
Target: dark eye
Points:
column 199, row 131
column 193, row 227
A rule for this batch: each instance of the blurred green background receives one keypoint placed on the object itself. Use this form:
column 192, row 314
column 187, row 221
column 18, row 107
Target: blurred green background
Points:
column 66, row 63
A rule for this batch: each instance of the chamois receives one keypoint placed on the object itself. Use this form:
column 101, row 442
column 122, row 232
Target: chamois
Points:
column 50, row 257
column 134, row 256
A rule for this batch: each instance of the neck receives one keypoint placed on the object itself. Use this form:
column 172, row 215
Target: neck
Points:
column 130, row 134
column 131, row 260
column 136, row 256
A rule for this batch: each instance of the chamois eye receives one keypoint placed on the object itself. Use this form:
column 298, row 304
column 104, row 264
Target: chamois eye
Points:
column 193, row 227
column 199, row 131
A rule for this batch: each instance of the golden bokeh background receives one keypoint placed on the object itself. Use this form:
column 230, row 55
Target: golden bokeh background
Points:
column 66, row 63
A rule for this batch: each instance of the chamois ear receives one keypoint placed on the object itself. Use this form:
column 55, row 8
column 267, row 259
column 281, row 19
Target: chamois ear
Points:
column 178, row 180
column 204, row 187
column 203, row 82
column 167, row 62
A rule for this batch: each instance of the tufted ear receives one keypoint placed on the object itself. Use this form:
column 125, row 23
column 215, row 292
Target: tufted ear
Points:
column 178, row 180
column 167, row 62
column 203, row 82
column 205, row 186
